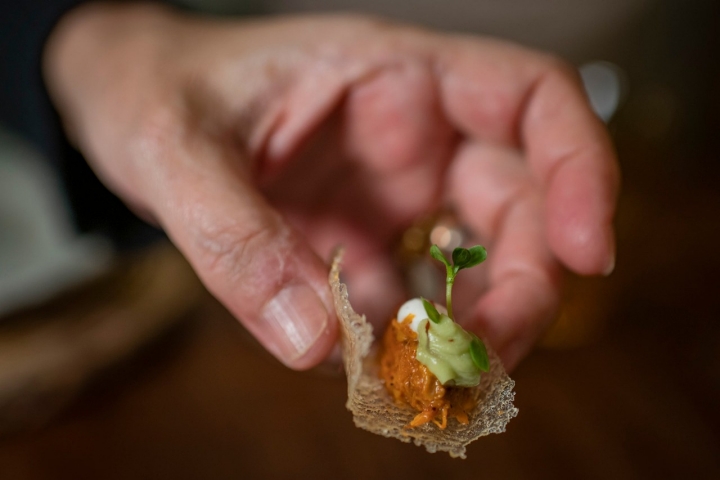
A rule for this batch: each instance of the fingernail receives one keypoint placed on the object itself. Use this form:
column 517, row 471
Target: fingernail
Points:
column 295, row 318
column 611, row 260
column 610, row 267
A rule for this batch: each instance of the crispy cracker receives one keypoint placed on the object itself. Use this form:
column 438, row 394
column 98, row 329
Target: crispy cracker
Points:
column 375, row 411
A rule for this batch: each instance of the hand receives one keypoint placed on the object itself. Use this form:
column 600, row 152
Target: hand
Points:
column 258, row 145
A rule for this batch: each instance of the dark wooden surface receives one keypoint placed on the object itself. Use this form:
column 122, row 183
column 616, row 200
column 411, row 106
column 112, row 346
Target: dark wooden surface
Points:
column 208, row 404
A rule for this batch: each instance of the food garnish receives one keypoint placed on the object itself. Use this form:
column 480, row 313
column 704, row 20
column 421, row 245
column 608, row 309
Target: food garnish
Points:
column 490, row 404
column 428, row 361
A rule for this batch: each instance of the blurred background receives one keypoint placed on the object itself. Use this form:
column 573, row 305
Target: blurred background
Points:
column 120, row 365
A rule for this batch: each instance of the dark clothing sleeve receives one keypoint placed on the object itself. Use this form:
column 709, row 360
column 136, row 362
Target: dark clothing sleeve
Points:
column 24, row 104
column 25, row 108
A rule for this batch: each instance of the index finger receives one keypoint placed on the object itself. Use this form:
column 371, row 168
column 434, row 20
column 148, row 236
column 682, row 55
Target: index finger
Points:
column 500, row 93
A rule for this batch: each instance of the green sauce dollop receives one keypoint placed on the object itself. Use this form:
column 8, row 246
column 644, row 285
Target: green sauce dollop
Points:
column 444, row 348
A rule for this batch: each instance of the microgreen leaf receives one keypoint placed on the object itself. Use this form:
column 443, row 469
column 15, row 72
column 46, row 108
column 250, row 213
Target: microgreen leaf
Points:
column 437, row 255
column 432, row 312
column 478, row 254
column 479, row 355
column 467, row 258
column 460, row 256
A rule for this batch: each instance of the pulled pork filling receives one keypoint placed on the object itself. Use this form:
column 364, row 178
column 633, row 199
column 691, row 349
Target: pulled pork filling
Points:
column 411, row 383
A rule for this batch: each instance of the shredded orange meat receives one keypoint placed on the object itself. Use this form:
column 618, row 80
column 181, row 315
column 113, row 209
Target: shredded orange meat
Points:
column 411, row 383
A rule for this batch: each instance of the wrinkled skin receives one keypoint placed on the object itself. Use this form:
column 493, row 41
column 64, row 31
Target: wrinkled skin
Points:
column 258, row 145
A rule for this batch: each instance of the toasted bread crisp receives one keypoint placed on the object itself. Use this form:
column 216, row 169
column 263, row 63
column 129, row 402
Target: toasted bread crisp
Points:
column 374, row 410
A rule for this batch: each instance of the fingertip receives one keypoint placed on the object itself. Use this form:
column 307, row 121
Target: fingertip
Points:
column 586, row 249
column 580, row 206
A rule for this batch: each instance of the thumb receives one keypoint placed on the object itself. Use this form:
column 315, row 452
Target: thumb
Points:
column 258, row 266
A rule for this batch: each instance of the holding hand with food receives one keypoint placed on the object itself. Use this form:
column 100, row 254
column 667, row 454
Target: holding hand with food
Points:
column 259, row 145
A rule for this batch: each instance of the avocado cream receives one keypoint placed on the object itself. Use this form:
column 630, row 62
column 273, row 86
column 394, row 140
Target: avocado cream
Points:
column 444, row 348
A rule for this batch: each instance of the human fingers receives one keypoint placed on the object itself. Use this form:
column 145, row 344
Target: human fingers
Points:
column 395, row 127
column 576, row 164
column 156, row 138
column 258, row 266
column 498, row 199
column 484, row 181
column 369, row 270
column 509, row 96
column 524, row 282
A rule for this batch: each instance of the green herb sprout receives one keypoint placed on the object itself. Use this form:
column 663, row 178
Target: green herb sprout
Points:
column 461, row 258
